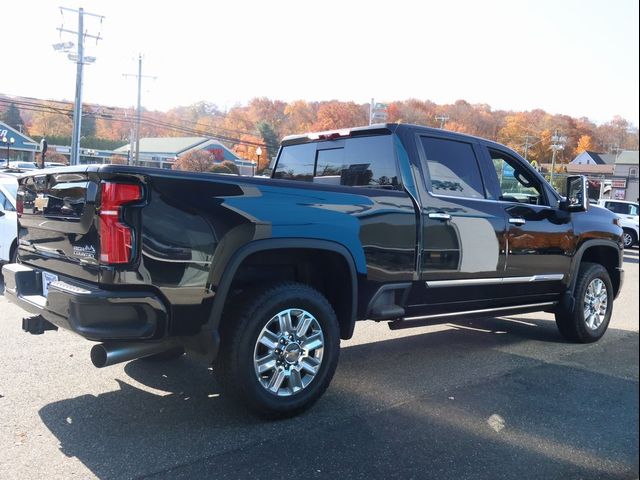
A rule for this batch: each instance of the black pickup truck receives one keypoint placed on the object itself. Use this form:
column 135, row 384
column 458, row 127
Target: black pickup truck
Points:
column 262, row 277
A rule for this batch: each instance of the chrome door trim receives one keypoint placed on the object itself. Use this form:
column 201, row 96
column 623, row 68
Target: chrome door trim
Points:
column 470, row 282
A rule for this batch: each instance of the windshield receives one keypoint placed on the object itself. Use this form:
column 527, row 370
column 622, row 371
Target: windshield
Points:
column 12, row 188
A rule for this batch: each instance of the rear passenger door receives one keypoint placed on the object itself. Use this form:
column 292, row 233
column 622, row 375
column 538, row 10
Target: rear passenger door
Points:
column 386, row 215
column 462, row 255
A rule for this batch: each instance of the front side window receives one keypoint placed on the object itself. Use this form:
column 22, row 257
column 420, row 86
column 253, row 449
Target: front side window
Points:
column 517, row 184
column 453, row 168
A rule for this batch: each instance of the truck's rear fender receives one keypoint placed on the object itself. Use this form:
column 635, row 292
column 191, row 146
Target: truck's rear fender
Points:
column 327, row 266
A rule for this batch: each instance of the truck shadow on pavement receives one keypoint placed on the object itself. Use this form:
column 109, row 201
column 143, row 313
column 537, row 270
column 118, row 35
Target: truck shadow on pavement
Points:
column 467, row 401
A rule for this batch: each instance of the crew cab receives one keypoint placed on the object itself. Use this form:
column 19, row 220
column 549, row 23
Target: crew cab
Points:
column 262, row 277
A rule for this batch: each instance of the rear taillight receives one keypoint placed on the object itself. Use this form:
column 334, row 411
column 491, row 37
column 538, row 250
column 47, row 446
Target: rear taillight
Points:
column 115, row 237
column 20, row 203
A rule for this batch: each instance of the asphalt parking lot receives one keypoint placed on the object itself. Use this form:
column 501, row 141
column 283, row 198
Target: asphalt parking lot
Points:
column 497, row 398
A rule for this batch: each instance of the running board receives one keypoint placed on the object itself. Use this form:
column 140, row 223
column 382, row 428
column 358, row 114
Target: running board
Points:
column 411, row 322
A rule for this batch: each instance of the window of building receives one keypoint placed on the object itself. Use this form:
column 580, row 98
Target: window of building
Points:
column 453, row 168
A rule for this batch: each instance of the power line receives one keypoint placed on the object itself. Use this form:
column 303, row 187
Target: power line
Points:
column 31, row 106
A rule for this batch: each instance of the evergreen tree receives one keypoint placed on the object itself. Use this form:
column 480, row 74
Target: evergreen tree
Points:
column 11, row 117
column 270, row 138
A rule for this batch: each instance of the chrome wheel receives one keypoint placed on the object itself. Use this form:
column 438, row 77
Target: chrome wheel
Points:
column 596, row 301
column 288, row 352
column 628, row 239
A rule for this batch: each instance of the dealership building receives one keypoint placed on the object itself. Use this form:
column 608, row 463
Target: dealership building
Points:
column 17, row 146
column 163, row 152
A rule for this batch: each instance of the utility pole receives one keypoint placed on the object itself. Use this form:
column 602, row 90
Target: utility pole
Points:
column 442, row 119
column 80, row 59
column 371, row 112
column 558, row 144
column 527, row 144
column 139, row 76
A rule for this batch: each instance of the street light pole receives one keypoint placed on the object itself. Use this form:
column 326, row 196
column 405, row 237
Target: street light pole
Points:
column 258, row 153
column 8, row 142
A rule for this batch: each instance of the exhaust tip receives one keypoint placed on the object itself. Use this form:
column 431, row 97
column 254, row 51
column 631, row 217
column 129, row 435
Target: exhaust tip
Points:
column 99, row 356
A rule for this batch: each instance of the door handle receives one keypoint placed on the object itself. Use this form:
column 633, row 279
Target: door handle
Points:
column 440, row 216
column 517, row 221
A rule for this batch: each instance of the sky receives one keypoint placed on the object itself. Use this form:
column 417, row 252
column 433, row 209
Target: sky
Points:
column 574, row 57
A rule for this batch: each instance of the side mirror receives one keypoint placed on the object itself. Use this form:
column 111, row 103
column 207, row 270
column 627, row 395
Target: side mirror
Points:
column 577, row 194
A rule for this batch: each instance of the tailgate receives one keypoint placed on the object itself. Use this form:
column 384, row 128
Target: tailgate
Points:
column 57, row 224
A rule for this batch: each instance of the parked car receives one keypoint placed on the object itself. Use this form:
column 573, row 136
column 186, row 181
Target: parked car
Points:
column 627, row 212
column 23, row 165
column 262, row 277
column 8, row 219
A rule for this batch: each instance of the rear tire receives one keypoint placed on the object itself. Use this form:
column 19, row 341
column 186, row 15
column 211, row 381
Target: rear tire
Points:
column 629, row 238
column 280, row 348
column 13, row 256
column 588, row 320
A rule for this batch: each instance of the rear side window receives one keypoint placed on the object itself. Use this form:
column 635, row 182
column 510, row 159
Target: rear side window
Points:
column 453, row 168
column 356, row 162
column 296, row 162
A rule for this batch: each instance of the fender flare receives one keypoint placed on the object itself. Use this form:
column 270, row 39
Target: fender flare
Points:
column 577, row 258
column 232, row 266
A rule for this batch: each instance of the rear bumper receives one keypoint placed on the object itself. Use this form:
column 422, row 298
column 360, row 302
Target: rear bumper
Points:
column 91, row 312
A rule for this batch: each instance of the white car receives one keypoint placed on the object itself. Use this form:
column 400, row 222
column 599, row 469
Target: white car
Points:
column 8, row 218
column 628, row 214
column 23, row 165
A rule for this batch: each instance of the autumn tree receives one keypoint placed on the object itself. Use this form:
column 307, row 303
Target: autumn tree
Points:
column 334, row 114
column 299, row 117
column 585, row 144
column 46, row 123
column 195, row 161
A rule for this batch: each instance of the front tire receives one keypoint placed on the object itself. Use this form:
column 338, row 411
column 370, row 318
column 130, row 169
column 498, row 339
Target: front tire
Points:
column 588, row 320
column 280, row 348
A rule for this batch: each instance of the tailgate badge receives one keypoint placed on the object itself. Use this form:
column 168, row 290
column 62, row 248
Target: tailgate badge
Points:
column 41, row 201
column 87, row 251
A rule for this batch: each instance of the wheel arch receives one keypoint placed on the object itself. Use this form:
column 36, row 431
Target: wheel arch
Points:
column 345, row 304
column 604, row 252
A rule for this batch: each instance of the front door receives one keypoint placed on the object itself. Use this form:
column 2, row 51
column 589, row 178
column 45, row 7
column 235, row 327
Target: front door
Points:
column 539, row 238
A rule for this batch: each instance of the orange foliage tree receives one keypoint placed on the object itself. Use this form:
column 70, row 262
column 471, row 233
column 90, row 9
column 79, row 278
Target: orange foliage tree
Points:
column 195, row 161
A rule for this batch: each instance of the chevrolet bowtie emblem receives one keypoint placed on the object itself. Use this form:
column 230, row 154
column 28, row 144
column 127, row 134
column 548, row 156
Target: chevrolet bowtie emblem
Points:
column 41, row 202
